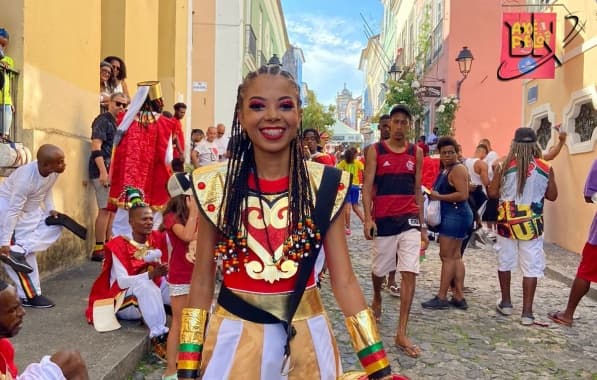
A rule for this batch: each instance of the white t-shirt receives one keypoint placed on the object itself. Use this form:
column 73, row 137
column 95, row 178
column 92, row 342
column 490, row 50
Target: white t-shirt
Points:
column 489, row 159
column 222, row 144
column 208, row 152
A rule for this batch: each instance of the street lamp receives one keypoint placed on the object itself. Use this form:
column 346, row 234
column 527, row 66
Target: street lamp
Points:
column 465, row 61
column 274, row 60
column 395, row 72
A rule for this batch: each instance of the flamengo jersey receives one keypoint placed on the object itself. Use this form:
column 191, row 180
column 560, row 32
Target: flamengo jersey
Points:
column 395, row 207
column 521, row 216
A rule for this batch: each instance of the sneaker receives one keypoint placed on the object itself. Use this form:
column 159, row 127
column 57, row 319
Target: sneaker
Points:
column 504, row 308
column 97, row 255
column 348, row 232
column 16, row 260
column 158, row 346
column 38, row 302
column 492, row 236
column 436, row 304
column 462, row 305
column 527, row 320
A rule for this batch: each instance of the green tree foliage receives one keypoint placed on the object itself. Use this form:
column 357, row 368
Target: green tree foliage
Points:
column 316, row 115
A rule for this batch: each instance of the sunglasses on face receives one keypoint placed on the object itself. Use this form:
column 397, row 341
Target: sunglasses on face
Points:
column 119, row 104
column 106, row 72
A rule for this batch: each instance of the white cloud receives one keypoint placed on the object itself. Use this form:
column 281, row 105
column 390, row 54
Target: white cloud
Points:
column 331, row 53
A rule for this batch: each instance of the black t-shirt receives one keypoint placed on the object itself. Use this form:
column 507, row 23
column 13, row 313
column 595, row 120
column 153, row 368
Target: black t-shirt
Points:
column 103, row 128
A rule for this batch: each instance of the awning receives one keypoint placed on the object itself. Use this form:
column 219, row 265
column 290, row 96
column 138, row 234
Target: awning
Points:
column 342, row 133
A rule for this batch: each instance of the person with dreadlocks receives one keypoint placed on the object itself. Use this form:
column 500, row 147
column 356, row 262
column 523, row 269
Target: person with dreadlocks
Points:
column 142, row 154
column 132, row 277
column 521, row 182
column 265, row 216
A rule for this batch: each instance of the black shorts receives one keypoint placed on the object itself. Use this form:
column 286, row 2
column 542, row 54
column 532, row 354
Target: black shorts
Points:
column 490, row 214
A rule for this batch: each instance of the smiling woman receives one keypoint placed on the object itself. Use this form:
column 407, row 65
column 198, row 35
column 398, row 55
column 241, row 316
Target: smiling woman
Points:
column 264, row 217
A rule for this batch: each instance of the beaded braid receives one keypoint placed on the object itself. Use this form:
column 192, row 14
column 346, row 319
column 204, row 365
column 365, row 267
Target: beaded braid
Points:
column 242, row 163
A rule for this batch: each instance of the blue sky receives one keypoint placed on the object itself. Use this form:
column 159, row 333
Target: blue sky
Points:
column 331, row 34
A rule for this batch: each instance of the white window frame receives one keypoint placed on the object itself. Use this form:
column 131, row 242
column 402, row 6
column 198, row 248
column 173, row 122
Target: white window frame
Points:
column 538, row 113
column 578, row 98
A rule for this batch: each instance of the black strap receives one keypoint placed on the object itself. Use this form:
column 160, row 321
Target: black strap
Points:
column 326, row 197
column 69, row 223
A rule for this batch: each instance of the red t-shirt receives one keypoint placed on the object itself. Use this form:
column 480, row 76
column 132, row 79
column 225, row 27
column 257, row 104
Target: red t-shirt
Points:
column 7, row 358
column 180, row 268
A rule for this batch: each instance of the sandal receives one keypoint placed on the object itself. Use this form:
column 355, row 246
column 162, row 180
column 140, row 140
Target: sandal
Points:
column 413, row 351
column 394, row 290
column 555, row 316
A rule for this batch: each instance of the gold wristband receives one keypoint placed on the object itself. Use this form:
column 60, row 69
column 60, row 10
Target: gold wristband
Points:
column 362, row 329
column 192, row 329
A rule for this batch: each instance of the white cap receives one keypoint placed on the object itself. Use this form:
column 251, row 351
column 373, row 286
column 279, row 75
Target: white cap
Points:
column 180, row 183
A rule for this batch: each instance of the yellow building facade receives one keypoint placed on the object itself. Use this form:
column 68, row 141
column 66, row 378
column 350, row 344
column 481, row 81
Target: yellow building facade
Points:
column 569, row 101
column 57, row 47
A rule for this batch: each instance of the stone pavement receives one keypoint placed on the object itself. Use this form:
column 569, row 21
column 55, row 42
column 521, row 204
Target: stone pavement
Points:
column 478, row 343
column 473, row 344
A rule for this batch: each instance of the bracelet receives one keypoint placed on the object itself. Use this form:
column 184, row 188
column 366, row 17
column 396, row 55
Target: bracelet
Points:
column 192, row 332
column 367, row 343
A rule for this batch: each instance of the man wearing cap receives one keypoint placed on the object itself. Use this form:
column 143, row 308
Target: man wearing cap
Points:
column 142, row 155
column 393, row 173
column 62, row 364
column 521, row 182
column 6, row 106
column 135, row 267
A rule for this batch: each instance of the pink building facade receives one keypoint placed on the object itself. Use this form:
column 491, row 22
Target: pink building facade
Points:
column 489, row 107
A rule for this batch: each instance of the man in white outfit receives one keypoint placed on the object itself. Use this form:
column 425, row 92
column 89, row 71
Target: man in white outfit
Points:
column 135, row 267
column 25, row 203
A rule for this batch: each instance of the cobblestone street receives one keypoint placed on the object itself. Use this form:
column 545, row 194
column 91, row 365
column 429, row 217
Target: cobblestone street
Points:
column 478, row 343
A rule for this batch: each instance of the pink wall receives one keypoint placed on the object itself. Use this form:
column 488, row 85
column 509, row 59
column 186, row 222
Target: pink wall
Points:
column 489, row 108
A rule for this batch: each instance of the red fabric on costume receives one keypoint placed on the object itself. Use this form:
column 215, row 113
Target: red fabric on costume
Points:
column 430, row 171
column 323, row 158
column 180, row 269
column 587, row 269
column 139, row 160
column 241, row 280
column 7, row 358
column 124, row 251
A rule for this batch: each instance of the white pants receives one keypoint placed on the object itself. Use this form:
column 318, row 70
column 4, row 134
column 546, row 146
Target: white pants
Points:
column 150, row 300
column 44, row 370
column 33, row 235
column 121, row 226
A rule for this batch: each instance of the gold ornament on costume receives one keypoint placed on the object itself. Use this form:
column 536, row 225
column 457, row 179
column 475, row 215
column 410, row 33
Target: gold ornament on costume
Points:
column 192, row 329
column 155, row 89
column 141, row 248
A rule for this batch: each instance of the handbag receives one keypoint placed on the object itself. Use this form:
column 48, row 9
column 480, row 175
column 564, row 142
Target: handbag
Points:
column 433, row 215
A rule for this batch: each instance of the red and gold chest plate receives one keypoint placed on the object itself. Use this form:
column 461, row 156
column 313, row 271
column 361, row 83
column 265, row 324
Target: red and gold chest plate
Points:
column 265, row 269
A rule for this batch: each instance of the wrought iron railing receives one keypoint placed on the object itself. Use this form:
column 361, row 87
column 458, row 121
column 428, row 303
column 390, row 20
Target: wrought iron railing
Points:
column 9, row 85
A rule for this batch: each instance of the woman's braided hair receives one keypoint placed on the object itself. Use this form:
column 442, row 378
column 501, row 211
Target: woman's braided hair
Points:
column 241, row 164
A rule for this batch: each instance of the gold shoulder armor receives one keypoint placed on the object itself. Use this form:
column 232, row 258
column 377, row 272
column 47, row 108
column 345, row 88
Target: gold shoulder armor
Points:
column 316, row 174
column 208, row 187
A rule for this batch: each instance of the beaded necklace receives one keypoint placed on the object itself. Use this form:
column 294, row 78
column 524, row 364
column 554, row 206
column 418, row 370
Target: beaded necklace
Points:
column 297, row 246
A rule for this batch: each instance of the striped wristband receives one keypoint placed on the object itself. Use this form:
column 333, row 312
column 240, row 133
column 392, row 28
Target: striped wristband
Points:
column 192, row 332
column 367, row 344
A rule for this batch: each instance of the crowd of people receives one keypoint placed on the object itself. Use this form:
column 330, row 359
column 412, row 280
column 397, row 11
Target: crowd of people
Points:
column 270, row 211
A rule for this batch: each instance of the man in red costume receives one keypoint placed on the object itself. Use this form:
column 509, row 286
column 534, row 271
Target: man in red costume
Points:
column 136, row 267
column 142, row 155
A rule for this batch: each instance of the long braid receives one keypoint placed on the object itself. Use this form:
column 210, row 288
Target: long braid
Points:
column 241, row 164
column 523, row 153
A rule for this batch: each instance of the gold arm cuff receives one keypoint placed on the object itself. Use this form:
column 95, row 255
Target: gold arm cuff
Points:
column 192, row 329
column 362, row 329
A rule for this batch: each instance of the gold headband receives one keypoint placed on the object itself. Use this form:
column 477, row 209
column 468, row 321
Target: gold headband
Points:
column 155, row 89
